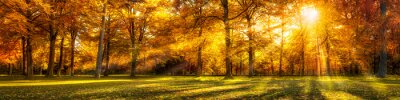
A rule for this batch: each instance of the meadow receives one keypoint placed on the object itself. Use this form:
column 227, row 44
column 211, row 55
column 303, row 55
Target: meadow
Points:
column 205, row 87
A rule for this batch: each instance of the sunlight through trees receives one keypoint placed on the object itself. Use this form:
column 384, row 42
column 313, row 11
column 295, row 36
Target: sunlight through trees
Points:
column 199, row 37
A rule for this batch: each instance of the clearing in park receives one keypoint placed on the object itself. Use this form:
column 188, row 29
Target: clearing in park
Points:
column 205, row 87
column 200, row 49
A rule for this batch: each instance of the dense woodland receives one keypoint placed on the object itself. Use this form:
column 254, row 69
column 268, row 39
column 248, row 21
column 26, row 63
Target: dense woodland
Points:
column 199, row 37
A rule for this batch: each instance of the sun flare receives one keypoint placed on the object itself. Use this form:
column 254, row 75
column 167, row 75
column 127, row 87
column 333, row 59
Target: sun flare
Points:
column 310, row 14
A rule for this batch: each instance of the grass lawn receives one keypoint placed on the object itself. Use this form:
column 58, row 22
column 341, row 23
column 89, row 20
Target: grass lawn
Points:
column 206, row 87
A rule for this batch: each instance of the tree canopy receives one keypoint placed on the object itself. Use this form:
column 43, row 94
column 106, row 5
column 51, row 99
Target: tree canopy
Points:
column 200, row 37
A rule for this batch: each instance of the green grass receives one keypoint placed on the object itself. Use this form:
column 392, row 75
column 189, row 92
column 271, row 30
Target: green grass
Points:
column 206, row 87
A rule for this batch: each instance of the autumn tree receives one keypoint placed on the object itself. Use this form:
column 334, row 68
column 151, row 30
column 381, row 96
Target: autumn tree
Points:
column 100, row 45
column 30, row 13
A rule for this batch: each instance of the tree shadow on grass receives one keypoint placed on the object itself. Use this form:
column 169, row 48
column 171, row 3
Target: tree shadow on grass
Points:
column 166, row 90
column 289, row 88
column 315, row 92
column 215, row 93
column 177, row 88
column 363, row 91
column 204, row 89
column 95, row 90
column 393, row 82
column 360, row 89
column 78, row 77
column 147, row 89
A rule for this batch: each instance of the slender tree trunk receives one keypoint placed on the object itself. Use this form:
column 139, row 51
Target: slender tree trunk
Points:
column 291, row 67
column 12, row 68
column 106, row 70
column 100, row 48
column 327, row 58
column 147, row 68
column 199, row 62
column 251, row 50
column 272, row 67
column 40, row 70
column 133, row 45
column 382, row 69
column 241, row 65
column 237, row 70
column 394, row 69
column 351, row 69
column 134, row 58
column 302, row 54
column 319, row 57
column 199, row 52
column 9, row 69
column 73, row 38
column 23, row 43
column 228, row 74
column 20, row 67
column 281, row 48
column 374, row 62
column 61, row 59
column 190, row 68
column 199, row 49
column 107, row 47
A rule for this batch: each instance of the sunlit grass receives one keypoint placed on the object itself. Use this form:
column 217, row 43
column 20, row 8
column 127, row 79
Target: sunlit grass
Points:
column 207, row 87
column 339, row 95
column 41, row 82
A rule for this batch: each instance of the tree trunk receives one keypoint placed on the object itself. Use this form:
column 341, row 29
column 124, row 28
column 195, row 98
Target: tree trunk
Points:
column 73, row 38
column 327, row 62
column 199, row 62
column 280, row 60
column 10, row 68
column 134, row 58
column 106, row 70
column 382, row 69
column 318, row 57
column 136, row 48
column 272, row 67
column 40, row 70
column 23, row 43
column 291, row 64
column 228, row 74
column 302, row 54
column 139, row 44
column 147, row 68
column 107, row 47
column 237, row 70
column 61, row 59
column 29, row 58
column 251, row 51
column 135, row 55
column 199, row 49
column 100, row 48
column 241, row 65
column 199, row 59
column 52, row 37
column 327, row 59
column 281, row 48
column 187, row 65
column 133, row 45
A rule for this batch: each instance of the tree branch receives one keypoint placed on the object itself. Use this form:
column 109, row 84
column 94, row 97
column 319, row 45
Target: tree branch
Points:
column 245, row 10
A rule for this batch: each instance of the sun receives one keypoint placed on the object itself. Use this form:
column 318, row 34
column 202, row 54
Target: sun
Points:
column 310, row 14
